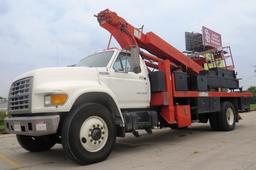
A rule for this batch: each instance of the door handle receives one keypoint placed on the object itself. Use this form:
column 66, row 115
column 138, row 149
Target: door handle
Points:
column 142, row 78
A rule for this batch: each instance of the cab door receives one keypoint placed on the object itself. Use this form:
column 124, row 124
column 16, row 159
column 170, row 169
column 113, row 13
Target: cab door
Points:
column 131, row 89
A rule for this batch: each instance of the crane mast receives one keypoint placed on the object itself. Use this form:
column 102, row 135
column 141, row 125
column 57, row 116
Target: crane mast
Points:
column 130, row 37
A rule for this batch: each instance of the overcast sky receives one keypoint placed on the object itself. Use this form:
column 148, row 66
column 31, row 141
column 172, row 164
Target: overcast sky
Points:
column 46, row 33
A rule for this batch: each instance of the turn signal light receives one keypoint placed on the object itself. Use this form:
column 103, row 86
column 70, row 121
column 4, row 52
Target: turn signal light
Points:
column 55, row 99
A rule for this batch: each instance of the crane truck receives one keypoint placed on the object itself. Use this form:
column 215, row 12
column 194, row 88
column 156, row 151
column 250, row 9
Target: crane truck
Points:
column 146, row 84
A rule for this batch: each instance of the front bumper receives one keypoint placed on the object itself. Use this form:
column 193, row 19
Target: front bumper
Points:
column 32, row 125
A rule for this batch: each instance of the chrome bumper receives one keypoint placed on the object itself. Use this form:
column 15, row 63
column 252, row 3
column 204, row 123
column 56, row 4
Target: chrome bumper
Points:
column 32, row 125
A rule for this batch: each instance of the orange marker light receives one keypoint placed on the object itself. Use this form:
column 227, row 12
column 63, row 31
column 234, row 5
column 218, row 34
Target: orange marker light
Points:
column 58, row 99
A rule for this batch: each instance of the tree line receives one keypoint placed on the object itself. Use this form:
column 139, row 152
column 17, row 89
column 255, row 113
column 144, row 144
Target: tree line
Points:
column 252, row 89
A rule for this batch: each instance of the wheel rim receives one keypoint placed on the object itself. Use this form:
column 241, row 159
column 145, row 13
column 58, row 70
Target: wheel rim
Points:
column 93, row 134
column 230, row 116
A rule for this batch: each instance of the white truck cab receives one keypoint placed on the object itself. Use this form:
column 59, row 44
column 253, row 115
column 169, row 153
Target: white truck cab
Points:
column 88, row 100
column 130, row 89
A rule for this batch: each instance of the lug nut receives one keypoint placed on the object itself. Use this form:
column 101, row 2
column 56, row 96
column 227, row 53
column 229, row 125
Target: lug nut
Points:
column 98, row 125
column 84, row 140
column 102, row 138
column 95, row 143
column 91, row 140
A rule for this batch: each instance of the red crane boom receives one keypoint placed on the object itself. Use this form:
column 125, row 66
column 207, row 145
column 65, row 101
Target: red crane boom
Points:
column 128, row 37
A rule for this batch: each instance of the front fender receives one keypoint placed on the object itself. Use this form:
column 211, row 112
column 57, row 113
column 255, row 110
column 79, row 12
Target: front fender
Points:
column 74, row 89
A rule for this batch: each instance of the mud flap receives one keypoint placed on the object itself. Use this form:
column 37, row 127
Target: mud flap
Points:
column 183, row 115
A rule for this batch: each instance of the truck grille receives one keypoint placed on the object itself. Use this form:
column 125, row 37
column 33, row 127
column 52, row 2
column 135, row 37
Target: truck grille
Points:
column 20, row 96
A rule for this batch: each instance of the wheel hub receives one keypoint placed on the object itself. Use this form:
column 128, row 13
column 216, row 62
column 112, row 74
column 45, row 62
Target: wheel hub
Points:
column 96, row 134
column 230, row 116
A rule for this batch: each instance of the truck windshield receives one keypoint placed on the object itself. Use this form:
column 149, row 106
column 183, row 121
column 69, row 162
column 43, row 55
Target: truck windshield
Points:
column 96, row 60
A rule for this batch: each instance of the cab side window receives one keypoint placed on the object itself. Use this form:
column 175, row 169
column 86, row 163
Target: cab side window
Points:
column 123, row 63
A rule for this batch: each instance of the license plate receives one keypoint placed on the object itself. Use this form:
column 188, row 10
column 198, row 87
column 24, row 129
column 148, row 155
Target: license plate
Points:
column 41, row 126
column 17, row 127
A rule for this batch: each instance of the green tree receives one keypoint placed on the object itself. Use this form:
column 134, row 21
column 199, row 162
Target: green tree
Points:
column 252, row 89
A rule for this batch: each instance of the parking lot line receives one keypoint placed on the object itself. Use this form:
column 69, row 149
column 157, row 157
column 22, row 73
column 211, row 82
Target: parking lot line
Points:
column 11, row 162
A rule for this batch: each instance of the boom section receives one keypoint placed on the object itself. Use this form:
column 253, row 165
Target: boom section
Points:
column 129, row 37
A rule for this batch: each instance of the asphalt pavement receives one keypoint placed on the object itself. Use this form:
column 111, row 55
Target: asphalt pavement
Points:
column 196, row 148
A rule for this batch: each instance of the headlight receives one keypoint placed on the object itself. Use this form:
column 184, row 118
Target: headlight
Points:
column 55, row 99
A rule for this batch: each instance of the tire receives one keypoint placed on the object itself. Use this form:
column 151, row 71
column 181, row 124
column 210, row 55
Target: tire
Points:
column 88, row 133
column 213, row 121
column 225, row 120
column 227, row 117
column 36, row 143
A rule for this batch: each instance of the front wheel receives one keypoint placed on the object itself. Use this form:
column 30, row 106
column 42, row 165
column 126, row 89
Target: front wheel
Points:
column 88, row 134
column 37, row 143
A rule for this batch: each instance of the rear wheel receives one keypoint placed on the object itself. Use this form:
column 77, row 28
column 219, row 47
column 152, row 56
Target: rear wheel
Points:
column 213, row 121
column 88, row 134
column 224, row 120
column 227, row 118
column 37, row 143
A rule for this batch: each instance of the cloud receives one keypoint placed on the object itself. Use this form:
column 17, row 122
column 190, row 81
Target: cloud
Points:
column 44, row 33
column 3, row 7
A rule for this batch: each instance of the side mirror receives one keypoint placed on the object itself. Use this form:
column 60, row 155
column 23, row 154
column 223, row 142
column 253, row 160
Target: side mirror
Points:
column 135, row 59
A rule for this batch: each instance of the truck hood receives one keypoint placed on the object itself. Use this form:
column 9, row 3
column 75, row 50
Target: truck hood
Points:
column 61, row 73
column 65, row 75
